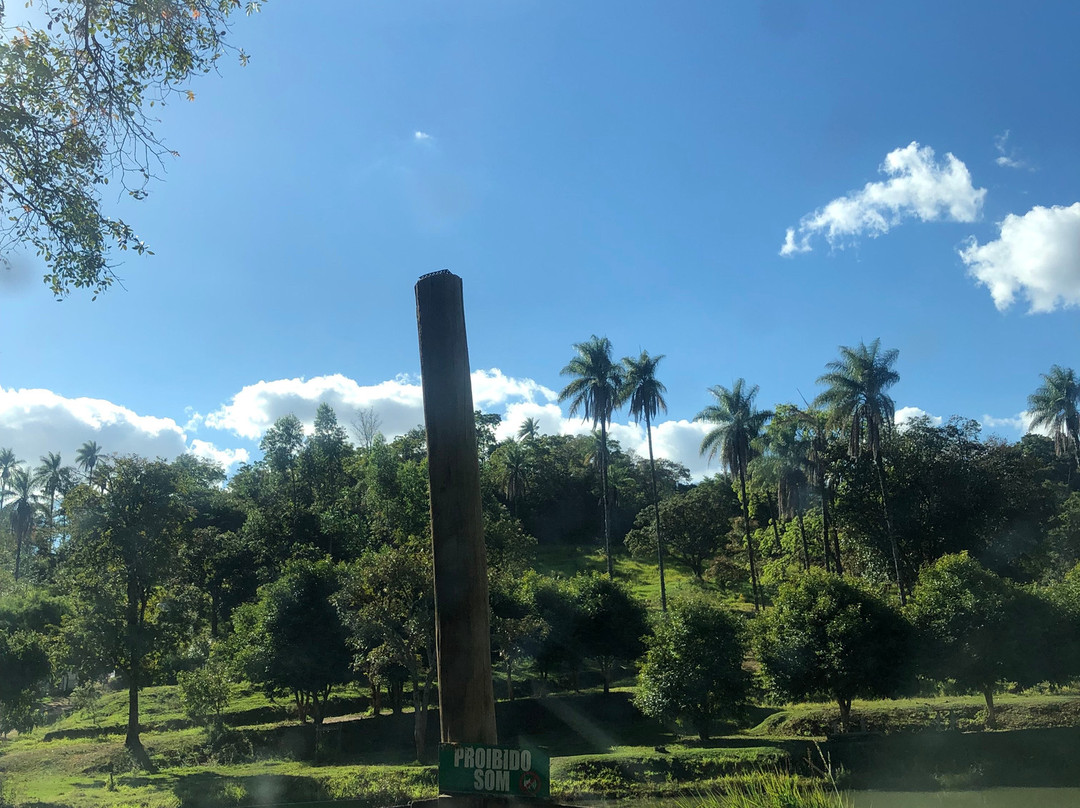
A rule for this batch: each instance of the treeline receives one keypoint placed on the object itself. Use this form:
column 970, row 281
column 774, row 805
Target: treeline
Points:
column 881, row 560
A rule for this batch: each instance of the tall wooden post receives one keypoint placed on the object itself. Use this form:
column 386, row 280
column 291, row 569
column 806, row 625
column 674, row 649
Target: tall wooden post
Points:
column 466, row 694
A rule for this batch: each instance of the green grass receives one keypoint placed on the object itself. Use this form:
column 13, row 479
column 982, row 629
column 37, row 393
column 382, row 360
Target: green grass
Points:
column 641, row 575
column 655, row 771
column 604, row 749
column 1014, row 712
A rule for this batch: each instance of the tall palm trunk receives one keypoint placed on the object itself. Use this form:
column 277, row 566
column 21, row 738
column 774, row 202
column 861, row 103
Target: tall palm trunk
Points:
column 889, row 530
column 824, row 520
column 656, row 510
column 749, row 544
column 604, row 497
column 802, row 532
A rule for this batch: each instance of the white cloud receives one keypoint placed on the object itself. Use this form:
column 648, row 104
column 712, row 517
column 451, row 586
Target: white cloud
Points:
column 226, row 458
column 398, row 403
column 1007, row 157
column 1019, row 423
column 36, row 421
column 421, row 136
column 906, row 414
column 681, row 441
column 1036, row 254
column 917, row 187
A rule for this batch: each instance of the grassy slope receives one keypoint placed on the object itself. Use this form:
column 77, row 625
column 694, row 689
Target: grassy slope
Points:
column 640, row 574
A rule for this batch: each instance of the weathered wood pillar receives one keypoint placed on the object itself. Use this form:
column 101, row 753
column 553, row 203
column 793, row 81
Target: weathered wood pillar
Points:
column 466, row 693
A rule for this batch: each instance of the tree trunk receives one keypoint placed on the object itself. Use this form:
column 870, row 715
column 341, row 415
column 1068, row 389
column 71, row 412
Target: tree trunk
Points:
column 604, row 496
column 805, row 544
column 836, row 548
column 749, row 543
column 656, row 510
column 991, row 715
column 131, row 740
column 509, row 678
column 824, row 520
column 134, row 672
column 18, row 549
column 888, row 529
column 845, row 713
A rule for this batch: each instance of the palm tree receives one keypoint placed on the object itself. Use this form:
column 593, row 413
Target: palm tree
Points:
column 512, row 462
column 855, row 396
column 594, row 392
column 22, row 509
column 8, row 464
column 645, row 395
column 1056, row 404
column 51, row 475
column 737, row 424
column 787, row 467
column 87, row 457
column 530, row 430
column 817, row 456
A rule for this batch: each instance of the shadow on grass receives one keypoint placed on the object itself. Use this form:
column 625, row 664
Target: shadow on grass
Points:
column 209, row 790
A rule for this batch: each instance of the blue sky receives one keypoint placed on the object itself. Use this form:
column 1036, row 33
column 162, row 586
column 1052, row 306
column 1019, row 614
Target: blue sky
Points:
column 624, row 169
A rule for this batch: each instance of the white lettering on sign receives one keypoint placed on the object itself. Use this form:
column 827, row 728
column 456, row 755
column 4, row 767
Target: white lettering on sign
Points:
column 492, row 767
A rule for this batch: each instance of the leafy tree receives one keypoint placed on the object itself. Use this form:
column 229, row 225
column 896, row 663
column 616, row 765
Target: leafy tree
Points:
column 74, row 107
column 644, row 394
column 1056, row 406
column 87, row 457
column 693, row 669
column 292, row 639
column 514, row 624
column 825, row 636
column 856, row 396
column 388, row 606
column 611, row 623
column 978, row 629
column 594, row 392
column 120, row 567
column 696, row 521
column 737, row 424
column 556, row 648
column 24, row 668
column 205, row 692
column 486, row 424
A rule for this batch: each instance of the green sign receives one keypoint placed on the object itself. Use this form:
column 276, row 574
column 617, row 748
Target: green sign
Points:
column 493, row 770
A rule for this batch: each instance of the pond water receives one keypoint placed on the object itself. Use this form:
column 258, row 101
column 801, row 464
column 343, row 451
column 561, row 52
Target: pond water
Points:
column 986, row 798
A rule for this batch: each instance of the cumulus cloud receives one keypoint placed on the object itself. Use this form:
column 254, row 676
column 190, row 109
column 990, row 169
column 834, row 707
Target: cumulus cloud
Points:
column 399, row 403
column 1036, row 255
column 905, row 415
column 36, row 421
column 226, row 458
column 421, row 136
column 918, row 187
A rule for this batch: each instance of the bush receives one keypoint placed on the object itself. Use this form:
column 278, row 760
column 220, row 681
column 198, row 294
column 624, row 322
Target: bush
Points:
column 205, row 692
column 693, row 669
column 827, row 637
